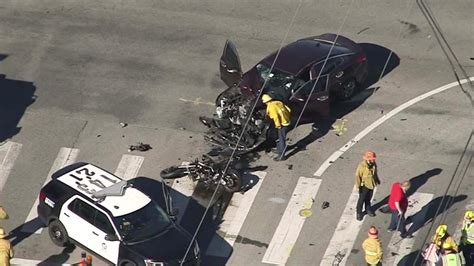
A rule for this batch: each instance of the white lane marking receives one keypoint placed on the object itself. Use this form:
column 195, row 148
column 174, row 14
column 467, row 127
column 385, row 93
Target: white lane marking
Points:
column 185, row 186
column 12, row 151
column 129, row 166
column 21, row 262
column 398, row 247
column 379, row 121
column 291, row 222
column 346, row 232
column 66, row 156
column 234, row 218
column 457, row 233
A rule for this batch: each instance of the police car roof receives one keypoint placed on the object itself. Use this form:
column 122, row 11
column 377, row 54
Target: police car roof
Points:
column 87, row 179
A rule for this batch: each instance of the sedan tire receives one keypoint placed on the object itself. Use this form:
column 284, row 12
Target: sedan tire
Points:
column 348, row 89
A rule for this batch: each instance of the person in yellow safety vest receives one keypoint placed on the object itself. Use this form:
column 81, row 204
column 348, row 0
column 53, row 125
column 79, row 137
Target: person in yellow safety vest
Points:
column 373, row 248
column 467, row 237
column 443, row 240
column 6, row 250
column 280, row 114
column 451, row 258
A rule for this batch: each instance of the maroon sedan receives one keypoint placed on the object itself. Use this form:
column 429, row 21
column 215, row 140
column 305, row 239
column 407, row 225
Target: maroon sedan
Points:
column 324, row 68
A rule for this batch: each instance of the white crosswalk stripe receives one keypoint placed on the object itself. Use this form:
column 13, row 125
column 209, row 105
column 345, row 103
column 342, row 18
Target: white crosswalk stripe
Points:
column 23, row 262
column 398, row 247
column 345, row 234
column 8, row 154
column 129, row 166
column 234, row 219
column 66, row 156
column 292, row 221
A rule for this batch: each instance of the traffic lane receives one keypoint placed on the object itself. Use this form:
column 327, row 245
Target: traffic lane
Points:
column 85, row 55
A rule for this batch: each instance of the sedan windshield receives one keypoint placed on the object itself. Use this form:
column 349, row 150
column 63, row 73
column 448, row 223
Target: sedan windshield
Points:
column 275, row 77
column 143, row 223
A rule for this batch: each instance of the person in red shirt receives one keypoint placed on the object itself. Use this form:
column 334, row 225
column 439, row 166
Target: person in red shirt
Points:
column 398, row 203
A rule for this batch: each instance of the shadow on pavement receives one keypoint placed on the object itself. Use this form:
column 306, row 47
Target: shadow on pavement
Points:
column 17, row 235
column 15, row 97
column 416, row 182
column 381, row 62
column 428, row 212
column 58, row 259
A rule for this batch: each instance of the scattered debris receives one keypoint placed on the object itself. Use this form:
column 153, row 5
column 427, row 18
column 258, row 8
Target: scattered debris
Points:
column 290, row 166
column 340, row 157
column 311, row 244
column 139, row 147
column 122, row 124
column 182, row 128
column 385, row 139
column 364, row 29
column 381, row 111
column 190, row 137
column 403, row 119
column 123, row 136
column 472, row 58
column 99, row 135
column 339, row 126
column 305, row 213
column 325, row 205
column 429, row 36
column 331, row 161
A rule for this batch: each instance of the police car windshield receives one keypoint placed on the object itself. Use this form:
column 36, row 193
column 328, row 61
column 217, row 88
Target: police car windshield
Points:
column 143, row 223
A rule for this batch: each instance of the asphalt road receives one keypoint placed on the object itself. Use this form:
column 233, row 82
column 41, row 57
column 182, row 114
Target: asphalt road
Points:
column 76, row 69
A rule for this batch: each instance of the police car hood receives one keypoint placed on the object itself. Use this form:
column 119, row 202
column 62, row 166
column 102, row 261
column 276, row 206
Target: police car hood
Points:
column 169, row 245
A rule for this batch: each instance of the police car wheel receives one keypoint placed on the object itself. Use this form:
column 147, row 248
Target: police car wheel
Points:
column 58, row 233
column 127, row 263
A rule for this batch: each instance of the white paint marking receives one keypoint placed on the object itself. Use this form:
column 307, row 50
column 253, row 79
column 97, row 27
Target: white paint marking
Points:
column 66, row 156
column 234, row 218
column 457, row 233
column 402, row 247
column 291, row 222
column 129, row 166
column 379, row 121
column 185, row 186
column 12, row 151
column 346, row 232
column 21, row 262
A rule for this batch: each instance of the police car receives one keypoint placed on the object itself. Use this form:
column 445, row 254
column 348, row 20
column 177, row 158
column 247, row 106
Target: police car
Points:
column 114, row 218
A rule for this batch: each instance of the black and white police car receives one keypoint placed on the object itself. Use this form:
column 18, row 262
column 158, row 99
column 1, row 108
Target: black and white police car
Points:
column 113, row 218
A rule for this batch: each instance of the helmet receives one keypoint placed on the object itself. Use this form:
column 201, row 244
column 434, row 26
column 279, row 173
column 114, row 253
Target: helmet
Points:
column 441, row 230
column 469, row 215
column 369, row 156
column 266, row 98
column 373, row 232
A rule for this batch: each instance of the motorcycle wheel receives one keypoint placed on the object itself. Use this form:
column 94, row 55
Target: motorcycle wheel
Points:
column 233, row 181
column 172, row 172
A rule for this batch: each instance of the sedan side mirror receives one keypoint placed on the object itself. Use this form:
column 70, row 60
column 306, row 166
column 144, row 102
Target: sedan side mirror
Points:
column 111, row 237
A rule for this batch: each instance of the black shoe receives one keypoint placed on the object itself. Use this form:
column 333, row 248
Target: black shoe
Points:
column 406, row 236
column 359, row 217
column 390, row 230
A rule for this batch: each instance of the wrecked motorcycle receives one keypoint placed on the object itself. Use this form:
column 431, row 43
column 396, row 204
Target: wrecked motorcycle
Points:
column 208, row 171
column 235, row 126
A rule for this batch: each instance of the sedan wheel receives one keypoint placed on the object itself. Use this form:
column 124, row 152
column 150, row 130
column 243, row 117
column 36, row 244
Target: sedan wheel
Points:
column 58, row 233
column 348, row 89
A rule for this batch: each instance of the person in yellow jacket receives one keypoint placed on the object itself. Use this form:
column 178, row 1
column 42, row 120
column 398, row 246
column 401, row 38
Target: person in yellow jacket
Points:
column 443, row 240
column 280, row 114
column 6, row 250
column 373, row 248
column 467, row 237
column 366, row 179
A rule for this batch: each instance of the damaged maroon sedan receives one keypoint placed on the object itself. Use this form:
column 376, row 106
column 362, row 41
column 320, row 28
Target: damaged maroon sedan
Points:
column 298, row 71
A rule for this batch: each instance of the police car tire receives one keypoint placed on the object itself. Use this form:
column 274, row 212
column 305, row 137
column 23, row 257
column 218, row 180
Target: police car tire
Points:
column 126, row 263
column 56, row 227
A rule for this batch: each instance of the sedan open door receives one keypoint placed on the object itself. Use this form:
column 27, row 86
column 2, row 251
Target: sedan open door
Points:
column 230, row 68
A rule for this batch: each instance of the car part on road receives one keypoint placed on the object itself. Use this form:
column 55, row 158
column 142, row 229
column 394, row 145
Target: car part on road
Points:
column 139, row 147
column 208, row 171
